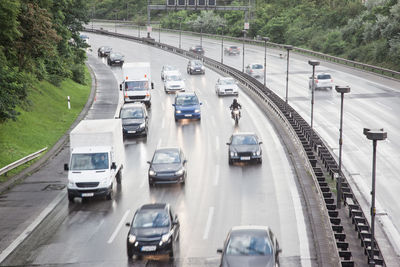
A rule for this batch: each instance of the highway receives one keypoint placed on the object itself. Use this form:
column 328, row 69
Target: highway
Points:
column 216, row 196
column 374, row 102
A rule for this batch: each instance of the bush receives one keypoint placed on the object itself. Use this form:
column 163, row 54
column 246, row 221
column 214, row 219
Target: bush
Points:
column 78, row 73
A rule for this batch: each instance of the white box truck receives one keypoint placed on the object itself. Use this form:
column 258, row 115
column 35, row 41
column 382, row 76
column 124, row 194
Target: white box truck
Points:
column 137, row 82
column 97, row 158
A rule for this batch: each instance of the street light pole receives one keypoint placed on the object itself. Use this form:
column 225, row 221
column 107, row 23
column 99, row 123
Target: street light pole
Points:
column 374, row 135
column 313, row 63
column 266, row 39
column 244, row 37
column 222, row 42
column 342, row 90
column 159, row 32
column 288, row 48
column 180, row 31
column 201, row 34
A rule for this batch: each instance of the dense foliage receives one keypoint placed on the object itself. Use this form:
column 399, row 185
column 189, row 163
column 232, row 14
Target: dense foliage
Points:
column 39, row 39
column 366, row 31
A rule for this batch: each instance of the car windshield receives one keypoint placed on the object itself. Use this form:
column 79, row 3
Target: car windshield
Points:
column 168, row 68
column 257, row 66
column 151, row 219
column 116, row 55
column 174, row 78
column 233, row 47
column 137, row 86
column 246, row 245
column 132, row 113
column 186, row 100
column 226, row 81
column 324, row 76
column 197, row 63
column 106, row 48
column 166, row 157
column 89, row 161
column 244, row 140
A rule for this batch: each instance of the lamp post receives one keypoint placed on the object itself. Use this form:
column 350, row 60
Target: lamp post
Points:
column 222, row 42
column 342, row 90
column 180, row 31
column 288, row 48
column 265, row 39
column 374, row 135
column 244, row 37
column 201, row 33
column 313, row 63
column 159, row 32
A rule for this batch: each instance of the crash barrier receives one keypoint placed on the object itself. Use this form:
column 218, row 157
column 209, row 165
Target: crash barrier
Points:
column 19, row 162
column 314, row 148
column 375, row 69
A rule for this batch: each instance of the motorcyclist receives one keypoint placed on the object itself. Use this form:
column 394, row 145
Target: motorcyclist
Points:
column 235, row 105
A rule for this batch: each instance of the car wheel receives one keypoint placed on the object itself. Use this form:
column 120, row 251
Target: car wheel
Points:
column 110, row 195
column 71, row 198
column 176, row 120
column 259, row 161
column 118, row 176
column 129, row 252
column 171, row 253
column 230, row 161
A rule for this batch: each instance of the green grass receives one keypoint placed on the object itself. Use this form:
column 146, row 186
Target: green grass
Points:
column 44, row 120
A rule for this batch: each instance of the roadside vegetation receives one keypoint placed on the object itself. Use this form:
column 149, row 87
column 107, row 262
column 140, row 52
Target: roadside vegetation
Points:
column 41, row 62
column 365, row 32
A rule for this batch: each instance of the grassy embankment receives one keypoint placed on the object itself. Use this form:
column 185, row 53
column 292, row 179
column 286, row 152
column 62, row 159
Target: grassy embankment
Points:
column 43, row 122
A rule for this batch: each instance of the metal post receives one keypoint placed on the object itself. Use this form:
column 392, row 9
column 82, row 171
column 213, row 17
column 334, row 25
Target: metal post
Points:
column 148, row 17
column 244, row 37
column 159, row 32
column 342, row 91
column 138, row 26
column 288, row 48
column 201, row 35
column 313, row 63
column 115, row 24
column 266, row 39
column 180, row 31
column 222, row 49
column 373, row 135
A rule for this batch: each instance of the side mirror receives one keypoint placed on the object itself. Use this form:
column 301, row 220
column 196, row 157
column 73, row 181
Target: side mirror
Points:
column 152, row 85
column 184, row 161
column 113, row 166
column 260, row 142
column 128, row 224
column 120, row 87
column 148, row 162
column 201, row 103
column 219, row 251
column 173, row 105
column 279, row 251
column 116, row 117
column 228, row 143
column 66, row 167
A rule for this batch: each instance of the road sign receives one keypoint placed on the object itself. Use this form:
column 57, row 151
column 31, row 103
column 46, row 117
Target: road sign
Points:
column 246, row 25
column 149, row 28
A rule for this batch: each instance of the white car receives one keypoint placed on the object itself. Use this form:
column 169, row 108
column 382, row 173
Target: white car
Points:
column 226, row 86
column 255, row 70
column 321, row 81
column 173, row 82
column 167, row 68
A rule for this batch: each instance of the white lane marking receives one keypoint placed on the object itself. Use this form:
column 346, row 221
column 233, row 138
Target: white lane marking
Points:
column 159, row 143
column 5, row 253
column 163, row 123
column 163, row 106
column 217, row 143
column 330, row 102
column 384, row 106
column 214, row 124
column 353, row 116
column 208, row 225
column 118, row 227
column 216, row 175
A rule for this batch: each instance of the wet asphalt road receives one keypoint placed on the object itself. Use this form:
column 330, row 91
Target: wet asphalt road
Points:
column 215, row 197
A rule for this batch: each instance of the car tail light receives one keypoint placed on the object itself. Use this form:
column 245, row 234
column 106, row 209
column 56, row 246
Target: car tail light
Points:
column 147, row 94
column 316, row 80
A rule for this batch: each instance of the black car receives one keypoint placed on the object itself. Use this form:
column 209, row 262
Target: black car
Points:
column 231, row 50
column 104, row 51
column 154, row 230
column 168, row 165
column 135, row 120
column 244, row 147
column 254, row 246
column 197, row 49
column 195, row 66
column 115, row 59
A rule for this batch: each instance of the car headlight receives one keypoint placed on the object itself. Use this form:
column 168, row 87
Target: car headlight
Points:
column 166, row 238
column 202, row 68
column 257, row 153
column 104, row 182
column 178, row 111
column 142, row 125
column 71, row 183
column 233, row 154
column 131, row 238
column 197, row 111
column 152, row 173
column 180, row 172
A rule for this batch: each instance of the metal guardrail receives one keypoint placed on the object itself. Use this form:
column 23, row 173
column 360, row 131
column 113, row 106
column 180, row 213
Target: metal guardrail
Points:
column 314, row 147
column 375, row 69
column 19, row 162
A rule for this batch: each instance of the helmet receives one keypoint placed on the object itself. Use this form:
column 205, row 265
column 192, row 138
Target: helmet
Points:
column 235, row 100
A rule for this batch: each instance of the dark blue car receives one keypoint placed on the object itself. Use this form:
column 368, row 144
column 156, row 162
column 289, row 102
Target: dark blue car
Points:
column 187, row 106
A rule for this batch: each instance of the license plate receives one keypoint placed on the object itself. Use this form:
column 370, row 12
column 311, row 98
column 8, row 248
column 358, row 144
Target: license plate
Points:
column 198, row 70
column 244, row 158
column 148, row 248
column 188, row 115
column 131, row 131
column 87, row 194
column 117, row 61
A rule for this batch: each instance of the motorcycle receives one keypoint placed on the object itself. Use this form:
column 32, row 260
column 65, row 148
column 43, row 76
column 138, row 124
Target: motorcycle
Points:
column 236, row 115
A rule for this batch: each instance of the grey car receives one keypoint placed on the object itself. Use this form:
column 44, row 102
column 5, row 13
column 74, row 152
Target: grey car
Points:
column 250, row 246
column 168, row 165
column 195, row 66
column 135, row 119
column 244, row 147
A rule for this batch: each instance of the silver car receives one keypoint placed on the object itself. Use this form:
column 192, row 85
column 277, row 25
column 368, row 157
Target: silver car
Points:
column 226, row 86
column 321, row 81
